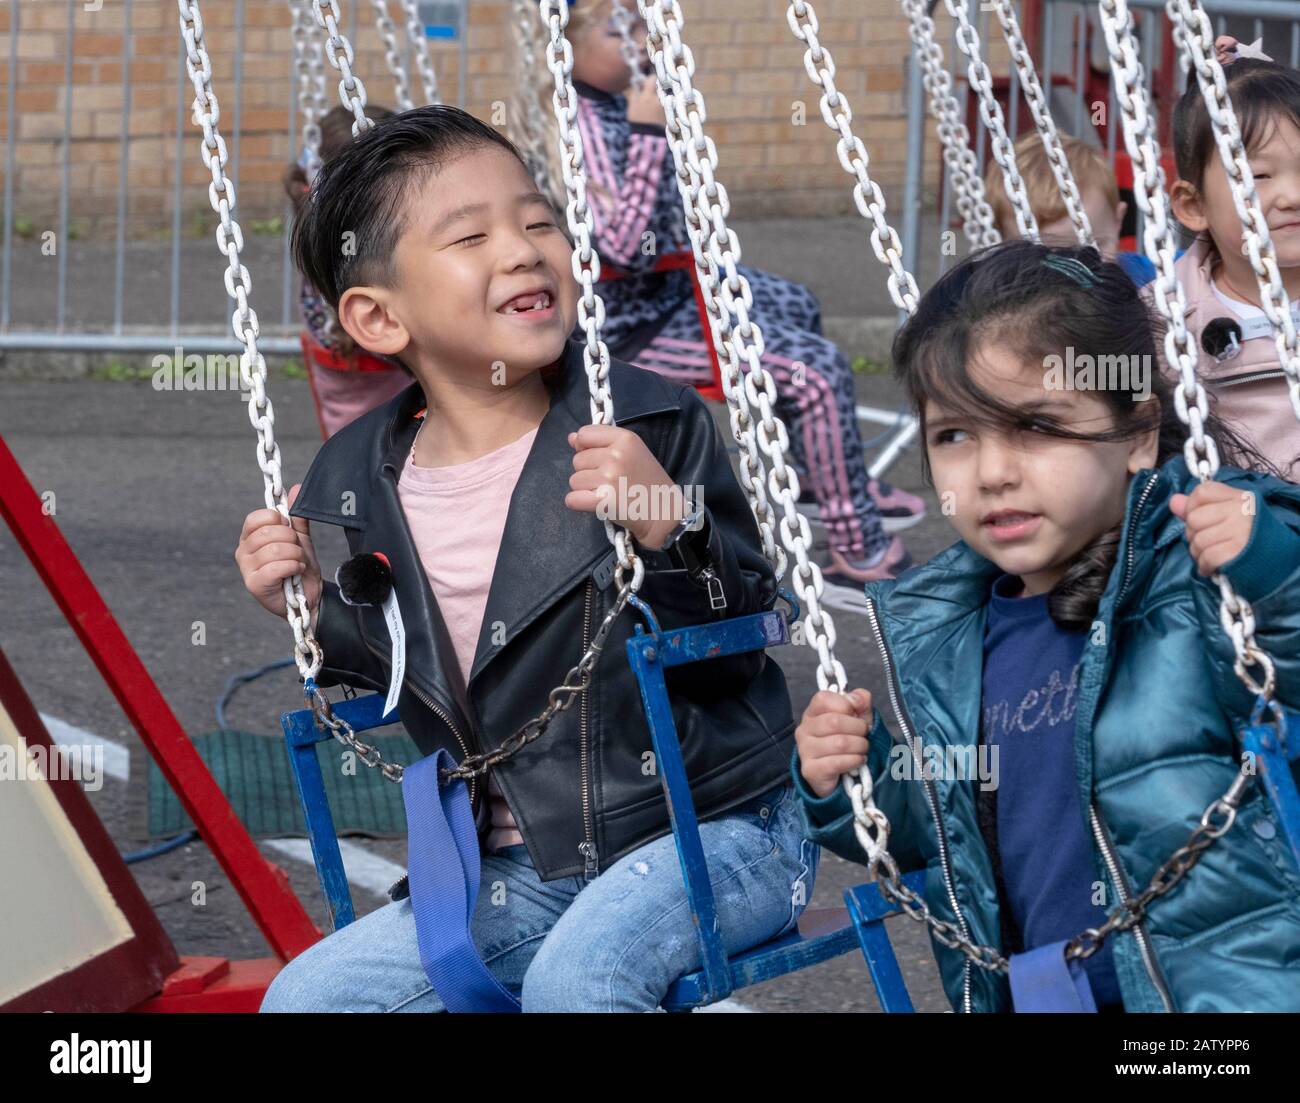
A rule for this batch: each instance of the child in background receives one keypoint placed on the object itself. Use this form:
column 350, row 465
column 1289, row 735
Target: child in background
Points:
column 651, row 318
column 346, row 381
column 1098, row 190
column 1072, row 635
column 1238, row 357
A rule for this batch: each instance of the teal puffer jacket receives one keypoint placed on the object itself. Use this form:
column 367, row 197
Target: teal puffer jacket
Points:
column 1158, row 708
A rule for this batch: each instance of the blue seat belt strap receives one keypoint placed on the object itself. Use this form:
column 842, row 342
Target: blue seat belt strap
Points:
column 1043, row 981
column 443, row 868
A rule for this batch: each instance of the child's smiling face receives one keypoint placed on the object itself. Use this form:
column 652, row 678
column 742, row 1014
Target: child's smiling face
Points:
column 1275, row 163
column 1030, row 501
column 479, row 236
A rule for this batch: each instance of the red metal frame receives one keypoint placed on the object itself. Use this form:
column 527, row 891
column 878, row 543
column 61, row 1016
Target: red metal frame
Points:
column 262, row 885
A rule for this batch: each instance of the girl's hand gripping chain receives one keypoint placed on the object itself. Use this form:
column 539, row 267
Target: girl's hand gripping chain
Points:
column 832, row 737
column 1219, row 519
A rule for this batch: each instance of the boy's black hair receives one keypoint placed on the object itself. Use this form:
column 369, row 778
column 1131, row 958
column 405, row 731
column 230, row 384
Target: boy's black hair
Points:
column 1259, row 91
column 365, row 191
column 1076, row 300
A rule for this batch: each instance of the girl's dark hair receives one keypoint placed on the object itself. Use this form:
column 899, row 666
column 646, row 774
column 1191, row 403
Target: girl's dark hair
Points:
column 364, row 190
column 1260, row 91
column 1035, row 310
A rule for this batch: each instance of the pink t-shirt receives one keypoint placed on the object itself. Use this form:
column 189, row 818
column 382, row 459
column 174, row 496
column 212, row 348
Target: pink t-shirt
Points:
column 457, row 516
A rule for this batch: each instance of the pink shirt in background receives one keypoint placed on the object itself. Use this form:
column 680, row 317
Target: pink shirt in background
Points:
column 457, row 516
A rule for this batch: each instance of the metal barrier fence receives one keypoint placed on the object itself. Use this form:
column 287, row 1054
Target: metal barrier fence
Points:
column 189, row 267
column 1063, row 49
column 192, row 266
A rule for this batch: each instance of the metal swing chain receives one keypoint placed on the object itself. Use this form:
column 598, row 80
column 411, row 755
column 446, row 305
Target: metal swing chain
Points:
column 1195, row 38
column 968, row 40
column 1043, row 121
column 963, row 170
column 392, row 55
column 533, row 125
column 717, row 256
column 420, row 49
column 252, row 367
column 352, row 93
column 870, row 825
column 1200, row 452
column 310, row 97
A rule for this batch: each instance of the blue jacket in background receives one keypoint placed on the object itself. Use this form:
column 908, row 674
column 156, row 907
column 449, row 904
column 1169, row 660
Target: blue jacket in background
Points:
column 1158, row 708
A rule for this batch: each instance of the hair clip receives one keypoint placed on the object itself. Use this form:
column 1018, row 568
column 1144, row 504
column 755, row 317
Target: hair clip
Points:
column 1251, row 50
column 1072, row 269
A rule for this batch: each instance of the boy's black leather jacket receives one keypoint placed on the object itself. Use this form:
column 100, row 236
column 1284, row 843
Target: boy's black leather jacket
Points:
column 586, row 792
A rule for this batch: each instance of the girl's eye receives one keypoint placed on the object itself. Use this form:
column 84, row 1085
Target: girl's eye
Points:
column 550, row 225
column 944, row 436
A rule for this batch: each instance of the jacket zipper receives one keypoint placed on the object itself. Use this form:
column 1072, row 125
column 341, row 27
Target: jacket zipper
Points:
column 591, row 864
column 1098, row 828
column 434, row 708
column 1121, row 887
column 896, row 700
column 1247, row 377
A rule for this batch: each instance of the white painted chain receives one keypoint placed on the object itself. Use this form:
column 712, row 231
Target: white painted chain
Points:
column 1043, row 121
column 252, row 367
column 968, row 40
column 352, row 93
column 1197, row 39
column 392, row 55
column 1189, row 397
column 586, row 261
column 529, row 119
column 870, row 824
column 420, row 48
column 627, row 47
column 309, row 102
column 963, row 170
column 717, row 258
column 837, row 115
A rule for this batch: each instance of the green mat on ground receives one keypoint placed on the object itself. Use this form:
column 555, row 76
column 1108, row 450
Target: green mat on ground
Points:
column 253, row 771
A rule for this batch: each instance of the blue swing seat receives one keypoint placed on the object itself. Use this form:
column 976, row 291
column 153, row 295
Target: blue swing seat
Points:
column 820, row 935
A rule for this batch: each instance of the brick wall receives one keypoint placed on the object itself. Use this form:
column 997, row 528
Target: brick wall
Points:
column 750, row 69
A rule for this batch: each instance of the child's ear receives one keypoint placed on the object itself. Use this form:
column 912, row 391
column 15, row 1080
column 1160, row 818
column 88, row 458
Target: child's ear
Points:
column 1120, row 211
column 366, row 318
column 1188, row 206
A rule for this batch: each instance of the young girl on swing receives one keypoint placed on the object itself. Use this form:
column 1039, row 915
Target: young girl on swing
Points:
column 651, row 318
column 483, row 489
column 1070, row 642
column 1238, row 357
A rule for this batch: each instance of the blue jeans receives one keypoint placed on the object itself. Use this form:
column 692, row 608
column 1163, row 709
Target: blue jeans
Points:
column 615, row 943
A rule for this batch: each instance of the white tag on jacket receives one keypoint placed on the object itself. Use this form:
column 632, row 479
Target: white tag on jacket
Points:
column 396, row 633
column 1253, row 328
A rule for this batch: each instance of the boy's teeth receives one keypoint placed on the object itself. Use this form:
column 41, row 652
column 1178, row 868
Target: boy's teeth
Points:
column 543, row 301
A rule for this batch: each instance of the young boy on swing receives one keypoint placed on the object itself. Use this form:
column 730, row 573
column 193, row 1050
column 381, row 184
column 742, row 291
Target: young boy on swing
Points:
column 484, row 487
